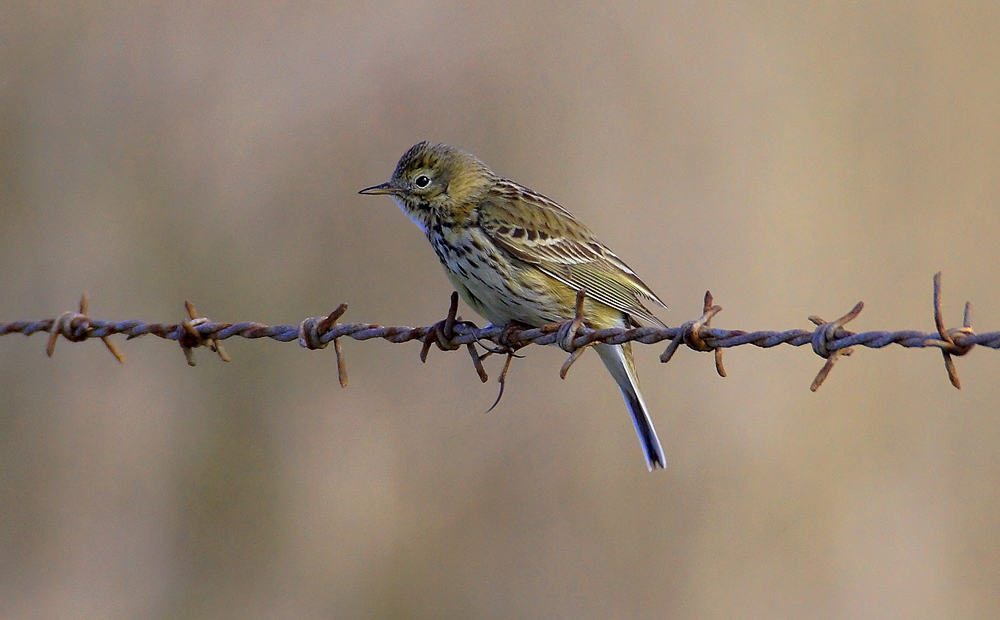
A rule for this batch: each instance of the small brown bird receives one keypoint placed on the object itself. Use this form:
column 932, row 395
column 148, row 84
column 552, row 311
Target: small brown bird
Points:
column 514, row 255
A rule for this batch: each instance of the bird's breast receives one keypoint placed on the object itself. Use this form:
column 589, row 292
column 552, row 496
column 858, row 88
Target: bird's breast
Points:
column 497, row 285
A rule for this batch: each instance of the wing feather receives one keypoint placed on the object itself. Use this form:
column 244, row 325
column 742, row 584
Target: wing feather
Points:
column 539, row 231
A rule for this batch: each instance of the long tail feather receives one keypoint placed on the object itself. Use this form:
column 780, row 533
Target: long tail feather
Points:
column 618, row 360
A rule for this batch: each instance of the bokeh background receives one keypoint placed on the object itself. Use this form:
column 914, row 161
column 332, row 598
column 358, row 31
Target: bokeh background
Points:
column 793, row 158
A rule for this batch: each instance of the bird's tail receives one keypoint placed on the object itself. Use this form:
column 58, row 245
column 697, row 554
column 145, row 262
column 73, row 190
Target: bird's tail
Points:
column 618, row 360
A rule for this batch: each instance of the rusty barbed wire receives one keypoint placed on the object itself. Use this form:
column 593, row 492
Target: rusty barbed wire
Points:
column 829, row 339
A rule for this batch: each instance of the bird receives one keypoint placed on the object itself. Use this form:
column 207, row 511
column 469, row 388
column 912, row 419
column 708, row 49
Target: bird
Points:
column 517, row 257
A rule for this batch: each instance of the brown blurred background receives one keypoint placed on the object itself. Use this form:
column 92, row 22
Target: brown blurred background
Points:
column 792, row 160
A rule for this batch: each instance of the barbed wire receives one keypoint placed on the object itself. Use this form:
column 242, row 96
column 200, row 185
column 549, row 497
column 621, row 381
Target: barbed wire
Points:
column 829, row 339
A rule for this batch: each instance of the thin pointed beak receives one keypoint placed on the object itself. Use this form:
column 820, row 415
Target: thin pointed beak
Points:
column 377, row 190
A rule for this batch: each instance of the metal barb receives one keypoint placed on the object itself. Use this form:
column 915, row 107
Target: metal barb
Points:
column 694, row 334
column 325, row 326
column 477, row 363
column 720, row 368
column 954, row 342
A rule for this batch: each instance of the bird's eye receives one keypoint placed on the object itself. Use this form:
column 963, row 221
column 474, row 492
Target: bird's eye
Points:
column 422, row 181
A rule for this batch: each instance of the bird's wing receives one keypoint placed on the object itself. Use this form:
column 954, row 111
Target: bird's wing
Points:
column 540, row 232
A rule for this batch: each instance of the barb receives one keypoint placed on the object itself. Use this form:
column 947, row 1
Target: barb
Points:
column 193, row 338
column 828, row 340
column 824, row 334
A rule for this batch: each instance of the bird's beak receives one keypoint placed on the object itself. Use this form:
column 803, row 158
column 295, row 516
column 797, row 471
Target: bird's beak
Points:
column 377, row 190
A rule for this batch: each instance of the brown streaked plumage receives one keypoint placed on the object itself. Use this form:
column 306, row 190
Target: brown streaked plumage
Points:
column 515, row 255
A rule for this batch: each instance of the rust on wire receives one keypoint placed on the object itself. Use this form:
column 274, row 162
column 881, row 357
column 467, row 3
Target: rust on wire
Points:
column 828, row 340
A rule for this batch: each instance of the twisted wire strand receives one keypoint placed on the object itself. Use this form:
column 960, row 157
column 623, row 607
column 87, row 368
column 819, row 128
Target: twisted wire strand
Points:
column 829, row 340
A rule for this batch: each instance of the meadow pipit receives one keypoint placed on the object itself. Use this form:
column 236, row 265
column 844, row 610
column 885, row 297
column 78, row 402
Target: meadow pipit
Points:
column 515, row 255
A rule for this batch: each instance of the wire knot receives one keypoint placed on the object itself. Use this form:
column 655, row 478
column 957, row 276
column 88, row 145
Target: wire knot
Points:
column 72, row 326
column 822, row 337
column 958, row 336
column 310, row 336
column 443, row 332
column 691, row 331
column 191, row 338
column 312, row 331
column 690, row 335
column 75, row 327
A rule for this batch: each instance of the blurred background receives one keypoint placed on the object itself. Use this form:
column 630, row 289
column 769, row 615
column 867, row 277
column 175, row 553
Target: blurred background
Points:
column 791, row 159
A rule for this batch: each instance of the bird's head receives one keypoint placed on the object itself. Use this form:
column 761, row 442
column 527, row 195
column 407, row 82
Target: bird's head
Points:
column 438, row 178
